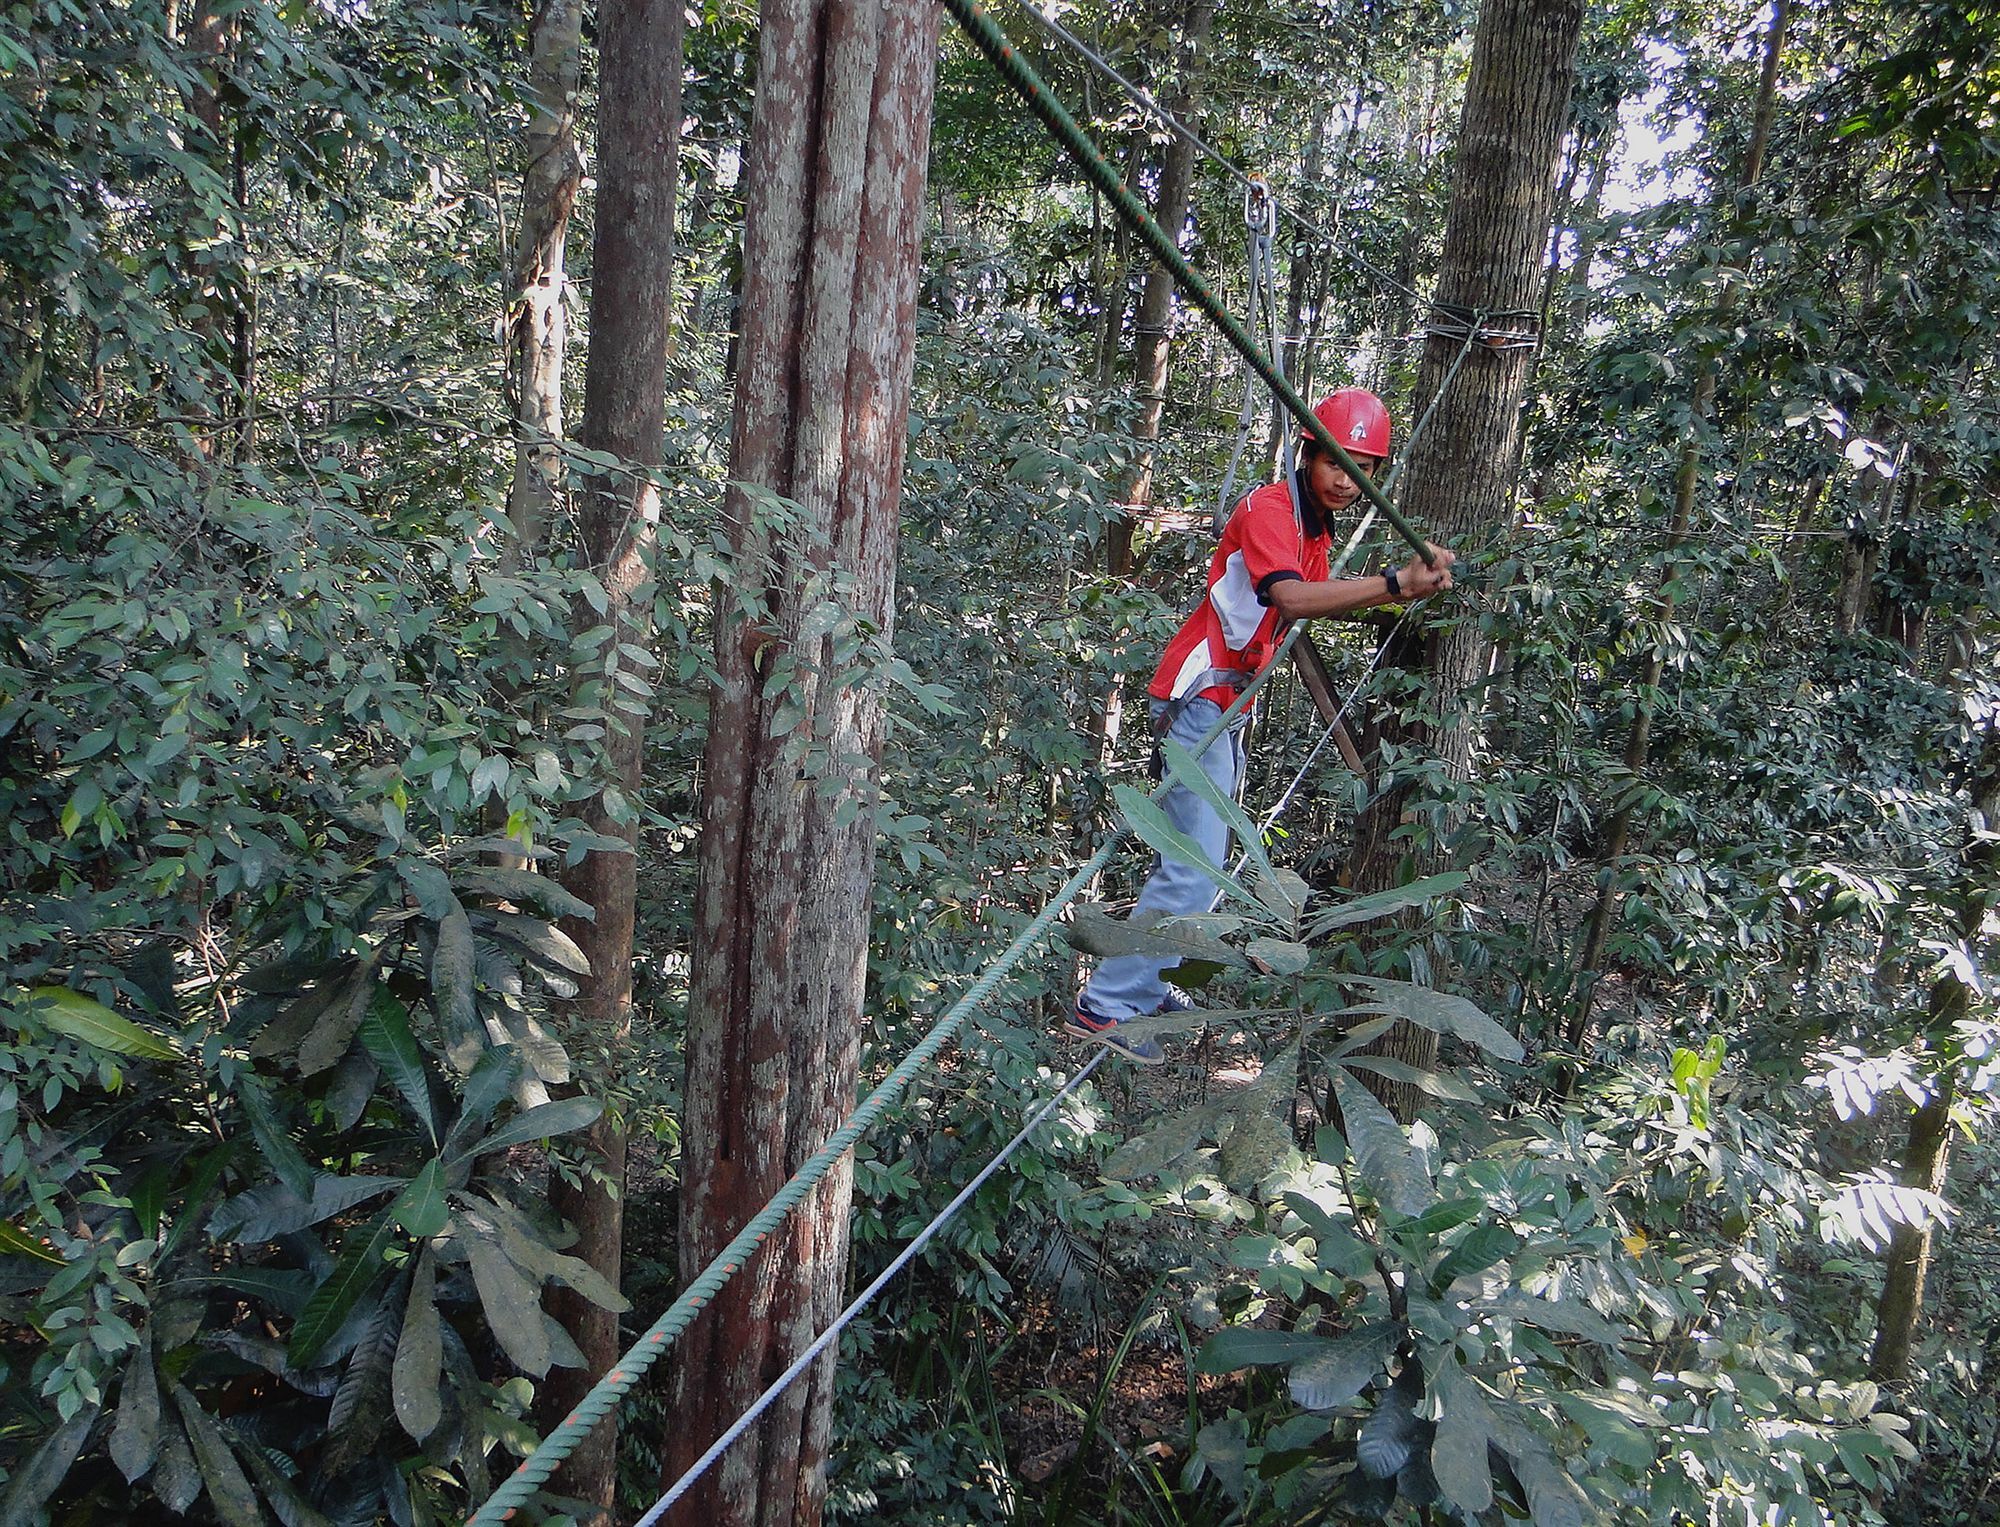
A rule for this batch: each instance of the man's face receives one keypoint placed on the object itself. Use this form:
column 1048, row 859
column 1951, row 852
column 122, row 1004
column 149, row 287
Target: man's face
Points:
column 1333, row 491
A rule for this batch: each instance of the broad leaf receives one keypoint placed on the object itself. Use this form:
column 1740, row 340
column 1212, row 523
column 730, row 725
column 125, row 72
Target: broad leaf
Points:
column 544, row 1123
column 1362, row 909
column 1388, row 1437
column 490, row 1085
column 430, row 885
column 36, row 1479
column 1554, row 1315
column 1343, row 1369
column 414, row 1378
column 135, row 1436
column 538, row 891
column 1482, row 1247
column 286, row 1290
column 1158, row 832
column 229, row 1489
column 1185, row 770
column 454, row 990
column 1280, row 957
column 1338, row 1248
column 420, row 1207
column 535, row 1044
column 176, row 1481
column 1440, row 1012
column 355, row 1419
column 16, row 1242
column 334, row 1032
column 1380, row 1148
column 359, row 1267
column 280, row 1154
column 1095, row 931
column 534, row 1256
column 1458, row 1452
column 512, row 1304
column 1236, row 1347
column 385, row 1034
column 71, row 1013
column 547, row 944
column 266, row 1212
column 1439, row 1084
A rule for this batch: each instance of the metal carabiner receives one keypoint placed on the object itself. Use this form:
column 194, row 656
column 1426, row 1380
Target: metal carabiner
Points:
column 1260, row 208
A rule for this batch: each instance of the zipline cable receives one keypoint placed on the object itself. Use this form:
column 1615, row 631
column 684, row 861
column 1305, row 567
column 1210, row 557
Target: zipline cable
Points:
column 863, row 1299
column 1012, row 67
column 1140, row 96
column 605, row 1394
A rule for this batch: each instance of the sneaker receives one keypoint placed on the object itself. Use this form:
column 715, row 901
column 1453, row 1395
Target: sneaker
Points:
column 1084, row 1024
column 1175, row 1001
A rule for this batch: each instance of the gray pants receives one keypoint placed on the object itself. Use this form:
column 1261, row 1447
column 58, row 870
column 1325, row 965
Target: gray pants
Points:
column 1130, row 986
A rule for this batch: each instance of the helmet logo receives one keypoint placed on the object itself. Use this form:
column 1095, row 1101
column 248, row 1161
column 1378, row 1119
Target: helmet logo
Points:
column 1360, row 430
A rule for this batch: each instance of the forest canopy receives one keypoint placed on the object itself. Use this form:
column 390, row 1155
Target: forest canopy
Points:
column 434, row 541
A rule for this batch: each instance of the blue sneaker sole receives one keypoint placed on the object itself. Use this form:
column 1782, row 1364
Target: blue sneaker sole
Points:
column 1144, row 1052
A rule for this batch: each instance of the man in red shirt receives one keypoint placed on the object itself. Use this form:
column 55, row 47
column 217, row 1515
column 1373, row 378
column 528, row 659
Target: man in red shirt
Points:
column 1269, row 569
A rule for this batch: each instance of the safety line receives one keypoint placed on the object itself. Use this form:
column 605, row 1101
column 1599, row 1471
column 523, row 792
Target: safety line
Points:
column 1012, row 67
column 862, row 1300
column 605, row 1394
column 1140, row 96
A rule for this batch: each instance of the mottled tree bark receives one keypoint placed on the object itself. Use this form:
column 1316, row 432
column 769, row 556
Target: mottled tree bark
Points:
column 835, row 172
column 624, row 408
column 1461, row 471
column 1152, row 328
column 537, row 324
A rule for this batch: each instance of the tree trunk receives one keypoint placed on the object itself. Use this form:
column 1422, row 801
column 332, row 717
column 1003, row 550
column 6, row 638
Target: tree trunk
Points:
column 1604, row 910
column 537, row 325
column 835, row 172
column 624, row 408
column 1461, row 471
column 1152, row 328
column 1976, row 888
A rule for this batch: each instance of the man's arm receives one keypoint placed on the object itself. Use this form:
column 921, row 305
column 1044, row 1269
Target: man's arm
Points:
column 1296, row 599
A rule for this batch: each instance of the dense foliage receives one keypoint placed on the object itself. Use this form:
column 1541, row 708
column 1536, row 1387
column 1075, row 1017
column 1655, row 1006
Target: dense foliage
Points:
column 289, row 729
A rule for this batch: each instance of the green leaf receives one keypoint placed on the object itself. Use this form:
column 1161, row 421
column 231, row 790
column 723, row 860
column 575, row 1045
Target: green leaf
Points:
column 529, row 1252
column 1280, row 957
column 1439, row 1084
column 1236, row 1347
column 279, row 1492
column 333, row 1034
column 1338, row 1248
column 430, row 886
column 538, row 891
column 1185, row 770
column 34, row 1481
column 1164, row 1144
column 386, row 1036
column 1362, row 909
column 454, row 990
column 420, row 1207
column 135, row 1435
column 1554, row 1315
column 535, row 1044
column 90, row 1022
column 229, row 1489
column 279, row 1153
column 272, row 1209
column 1380, row 1147
column 285, row 1033
column 512, row 1304
column 544, row 1123
column 1440, row 1012
column 14, row 1241
column 1439, row 1218
column 1095, row 931
column 1158, row 832
column 285, row 1290
column 544, row 942
column 490, row 1085
column 353, row 1275
column 176, row 1482
column 1458, row 1451
column 1483, row 1247
column 414, row 1379
column 1623, row 1442
column 1335, row 1375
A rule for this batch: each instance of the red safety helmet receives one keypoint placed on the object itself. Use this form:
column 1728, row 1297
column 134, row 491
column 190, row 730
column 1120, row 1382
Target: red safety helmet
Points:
column 1356, row 418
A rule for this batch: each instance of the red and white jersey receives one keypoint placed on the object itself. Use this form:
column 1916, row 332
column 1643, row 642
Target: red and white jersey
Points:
column 1233, row 627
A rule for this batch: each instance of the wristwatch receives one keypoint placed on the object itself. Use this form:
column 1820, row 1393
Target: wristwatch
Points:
column 1395, row 584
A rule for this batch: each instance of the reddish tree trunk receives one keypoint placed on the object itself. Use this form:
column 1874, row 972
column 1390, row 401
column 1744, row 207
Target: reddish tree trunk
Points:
column 836, row 173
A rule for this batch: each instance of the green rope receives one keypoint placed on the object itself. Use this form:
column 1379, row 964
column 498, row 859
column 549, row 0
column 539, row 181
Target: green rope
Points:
column 648, row 1349
column 1001, row 53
